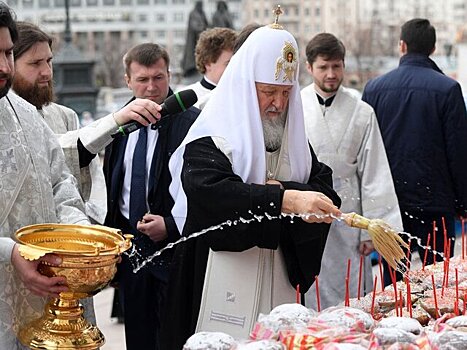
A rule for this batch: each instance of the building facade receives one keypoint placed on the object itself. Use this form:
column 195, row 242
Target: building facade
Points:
column 105, row 29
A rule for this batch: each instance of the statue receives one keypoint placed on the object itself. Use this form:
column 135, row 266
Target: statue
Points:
column 197, row 23
column 222, row 16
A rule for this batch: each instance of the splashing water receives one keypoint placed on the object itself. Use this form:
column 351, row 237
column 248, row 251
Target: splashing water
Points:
column 133, row 253
column 135, row 257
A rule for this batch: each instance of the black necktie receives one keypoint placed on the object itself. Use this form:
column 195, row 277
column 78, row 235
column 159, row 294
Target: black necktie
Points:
column 327, row 102
column 138, row 205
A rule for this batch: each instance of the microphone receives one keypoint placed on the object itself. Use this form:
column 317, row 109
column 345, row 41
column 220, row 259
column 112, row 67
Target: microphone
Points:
column 176, row 103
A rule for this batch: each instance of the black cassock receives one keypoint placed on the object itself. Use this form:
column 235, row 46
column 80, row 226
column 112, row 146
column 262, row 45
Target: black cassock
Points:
column 215, row 194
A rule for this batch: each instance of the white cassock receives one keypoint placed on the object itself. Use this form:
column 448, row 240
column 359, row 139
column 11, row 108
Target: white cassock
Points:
column 346, row 137
column 35, row 187
column 64, row 123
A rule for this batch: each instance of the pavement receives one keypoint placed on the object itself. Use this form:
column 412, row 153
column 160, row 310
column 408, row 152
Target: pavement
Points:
column 113, row 331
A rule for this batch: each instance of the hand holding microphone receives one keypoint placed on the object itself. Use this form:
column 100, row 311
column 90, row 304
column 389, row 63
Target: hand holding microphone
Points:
column 143, row 112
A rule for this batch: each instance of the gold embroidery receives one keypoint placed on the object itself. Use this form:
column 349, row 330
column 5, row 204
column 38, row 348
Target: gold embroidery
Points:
column 287, row 64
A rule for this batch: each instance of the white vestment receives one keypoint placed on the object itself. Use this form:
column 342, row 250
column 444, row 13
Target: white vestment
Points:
column 35, row 187
column 346, row 137
column 64, row 123
column 239, row 136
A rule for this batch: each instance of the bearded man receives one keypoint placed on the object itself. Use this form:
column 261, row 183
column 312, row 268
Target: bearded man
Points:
column 242, row 174
column 35, row 187
column 34, row 82
column 345, row 134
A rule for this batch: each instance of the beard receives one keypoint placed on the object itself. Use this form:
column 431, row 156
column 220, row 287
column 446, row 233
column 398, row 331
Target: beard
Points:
column 4, row 90
column 328, row 89
column 33, row 93
column 273, row 131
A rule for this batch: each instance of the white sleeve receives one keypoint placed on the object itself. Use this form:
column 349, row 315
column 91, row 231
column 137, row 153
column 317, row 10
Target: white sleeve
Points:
column 97, row 135
column 6, row 247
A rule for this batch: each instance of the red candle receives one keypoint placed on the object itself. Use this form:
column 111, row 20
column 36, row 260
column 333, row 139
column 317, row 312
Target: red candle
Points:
column 445, row 231
column 457, row 294
column 318, row 301
column 434, row 242
column 393, row 278
column 347, row 280
column 426, row 251
column 434, row 295
column 298, row 294
column 381, row 272
column 347, row 298
column 463, row 238
column 373, row 298
column 409, row 298
column 448, row 261
column 408, row 255
column 360, row 277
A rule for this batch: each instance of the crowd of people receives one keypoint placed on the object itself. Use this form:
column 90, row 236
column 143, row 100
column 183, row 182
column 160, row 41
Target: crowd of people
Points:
column 268, row 168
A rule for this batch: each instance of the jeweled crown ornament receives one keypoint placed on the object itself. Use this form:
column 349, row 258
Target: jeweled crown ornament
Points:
column 286, row 63
column 89, row 257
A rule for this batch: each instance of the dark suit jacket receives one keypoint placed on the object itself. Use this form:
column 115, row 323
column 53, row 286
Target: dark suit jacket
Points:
column 172, row 131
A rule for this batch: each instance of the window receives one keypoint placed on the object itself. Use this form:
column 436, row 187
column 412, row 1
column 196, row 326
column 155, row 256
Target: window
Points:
column 44, row 3
column 91, row 2
column 142, row 17
column 59, row 3
column 178, row 17
column 126, row 2
column 142, row 2
column 160, row 34
column 109, row 2
column 75, row 3
column 160, row 17
column 179, row 33
column 28, row 3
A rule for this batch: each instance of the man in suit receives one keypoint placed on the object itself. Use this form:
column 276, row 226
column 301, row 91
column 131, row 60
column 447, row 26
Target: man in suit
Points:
column 138, row 199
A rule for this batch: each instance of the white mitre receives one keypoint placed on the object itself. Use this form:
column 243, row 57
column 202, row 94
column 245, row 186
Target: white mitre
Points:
column 232, row 113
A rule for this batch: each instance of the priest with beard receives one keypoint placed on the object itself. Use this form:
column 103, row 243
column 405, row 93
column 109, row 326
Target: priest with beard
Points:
column 36, row 187
column 244, row 180
column 33, row 81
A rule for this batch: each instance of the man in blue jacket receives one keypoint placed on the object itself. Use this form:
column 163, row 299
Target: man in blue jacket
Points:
column 423, row 121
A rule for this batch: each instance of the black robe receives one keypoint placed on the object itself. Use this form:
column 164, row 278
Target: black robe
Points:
column 215, row 194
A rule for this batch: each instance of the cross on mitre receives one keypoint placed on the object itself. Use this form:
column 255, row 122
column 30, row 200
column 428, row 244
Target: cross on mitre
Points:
column 277, row 11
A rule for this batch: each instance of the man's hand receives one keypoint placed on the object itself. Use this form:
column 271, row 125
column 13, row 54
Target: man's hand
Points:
column 142, row 110
column 315, row 206
column 36, row 282
column 366, row 247
column 153, row 226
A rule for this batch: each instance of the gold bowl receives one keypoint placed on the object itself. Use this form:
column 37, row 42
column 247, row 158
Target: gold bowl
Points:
column 89, row 257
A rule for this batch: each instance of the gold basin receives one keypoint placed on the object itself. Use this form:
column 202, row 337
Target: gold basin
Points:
column 89, row 257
